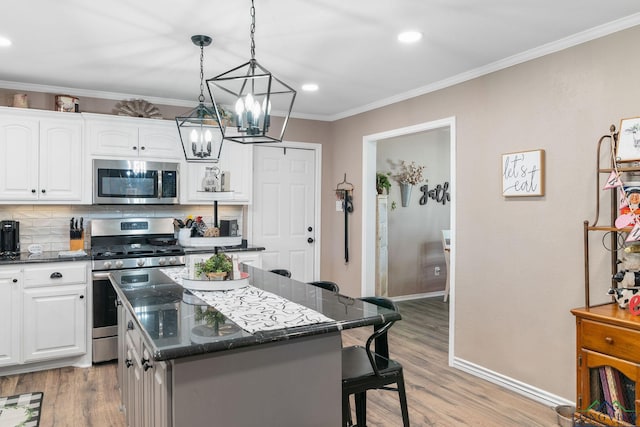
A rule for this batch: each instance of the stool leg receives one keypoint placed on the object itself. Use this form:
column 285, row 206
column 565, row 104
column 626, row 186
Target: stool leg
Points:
column 361, row 409
column 346, row 411
column 403, row 401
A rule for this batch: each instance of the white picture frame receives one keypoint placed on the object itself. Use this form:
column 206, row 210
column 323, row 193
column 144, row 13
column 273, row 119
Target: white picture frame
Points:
column 523, row 173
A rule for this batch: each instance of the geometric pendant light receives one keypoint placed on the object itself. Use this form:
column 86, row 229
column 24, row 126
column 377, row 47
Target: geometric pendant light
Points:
column 253, row 94
column 200, row 131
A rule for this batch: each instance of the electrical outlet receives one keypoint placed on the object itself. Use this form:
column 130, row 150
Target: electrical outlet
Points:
column 436, row 271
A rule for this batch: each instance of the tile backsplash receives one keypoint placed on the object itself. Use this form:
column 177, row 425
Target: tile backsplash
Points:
column 48, row 225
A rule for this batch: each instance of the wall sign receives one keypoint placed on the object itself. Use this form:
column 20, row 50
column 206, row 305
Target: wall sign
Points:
column 523, row 174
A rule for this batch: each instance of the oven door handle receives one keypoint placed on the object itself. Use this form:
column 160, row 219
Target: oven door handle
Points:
column 100, row 275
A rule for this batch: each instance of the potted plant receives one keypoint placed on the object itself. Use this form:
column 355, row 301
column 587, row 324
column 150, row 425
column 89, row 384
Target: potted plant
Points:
column 382, row 182
column 218, row 267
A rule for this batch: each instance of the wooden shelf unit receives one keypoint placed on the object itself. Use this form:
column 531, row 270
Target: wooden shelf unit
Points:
column 607, row 336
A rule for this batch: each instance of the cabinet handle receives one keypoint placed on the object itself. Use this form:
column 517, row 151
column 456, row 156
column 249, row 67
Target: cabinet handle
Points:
column 608, row 340
column 56, row 275
column 146, row 365
column 118, row 303
column 130, row 325
column 128, row 363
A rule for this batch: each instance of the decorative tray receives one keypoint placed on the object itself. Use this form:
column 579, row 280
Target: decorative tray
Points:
column 216, row 285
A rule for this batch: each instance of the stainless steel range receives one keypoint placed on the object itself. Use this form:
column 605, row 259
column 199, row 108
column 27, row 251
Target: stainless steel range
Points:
column 121, row 244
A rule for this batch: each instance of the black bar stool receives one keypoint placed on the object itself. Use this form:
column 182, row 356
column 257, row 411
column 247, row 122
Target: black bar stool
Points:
column 282, row 272
column 364, row 369
column 325, row 284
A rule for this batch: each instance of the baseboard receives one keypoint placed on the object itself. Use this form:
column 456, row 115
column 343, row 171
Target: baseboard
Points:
column 519, row 387
column 418, row 296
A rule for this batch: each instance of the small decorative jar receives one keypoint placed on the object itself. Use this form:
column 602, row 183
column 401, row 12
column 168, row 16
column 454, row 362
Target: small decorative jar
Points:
column 211, row 180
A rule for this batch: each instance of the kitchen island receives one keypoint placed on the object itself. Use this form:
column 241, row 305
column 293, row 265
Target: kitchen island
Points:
column 183, row 362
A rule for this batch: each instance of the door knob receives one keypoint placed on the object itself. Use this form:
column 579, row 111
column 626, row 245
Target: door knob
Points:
column 310, row 240
column 81, row 296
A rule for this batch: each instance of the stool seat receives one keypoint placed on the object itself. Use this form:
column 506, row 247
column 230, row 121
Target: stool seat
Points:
column 281, row 272
column 325, row 284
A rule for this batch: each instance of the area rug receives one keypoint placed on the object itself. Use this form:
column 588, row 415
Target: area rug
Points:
column 21, row 410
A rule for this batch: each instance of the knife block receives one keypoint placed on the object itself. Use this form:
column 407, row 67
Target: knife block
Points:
column 77, row 244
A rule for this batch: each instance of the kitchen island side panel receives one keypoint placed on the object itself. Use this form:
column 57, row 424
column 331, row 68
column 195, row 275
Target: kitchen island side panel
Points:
column 293, row 383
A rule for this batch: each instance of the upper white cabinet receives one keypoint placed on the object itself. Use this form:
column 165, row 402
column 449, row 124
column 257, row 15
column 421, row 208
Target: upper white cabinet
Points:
column 117, row 136
column 236, row 160
column 40, row 156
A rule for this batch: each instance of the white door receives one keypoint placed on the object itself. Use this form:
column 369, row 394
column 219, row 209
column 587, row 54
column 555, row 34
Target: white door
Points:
column 283, row 219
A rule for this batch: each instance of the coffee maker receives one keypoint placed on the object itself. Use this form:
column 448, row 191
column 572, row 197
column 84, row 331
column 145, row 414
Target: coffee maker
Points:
column 9, row 237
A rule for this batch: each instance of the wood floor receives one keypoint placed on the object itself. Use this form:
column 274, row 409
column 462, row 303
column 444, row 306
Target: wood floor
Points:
column 437, row 395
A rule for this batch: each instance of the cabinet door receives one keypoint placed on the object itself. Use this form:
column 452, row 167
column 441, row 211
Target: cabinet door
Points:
column 253, row 258
column 18, row 158
column 55, row 322
column 10, row 316
column 60, row 160
column 134, row 396
column 160, row 140
column 112, row 138
column 161, row 394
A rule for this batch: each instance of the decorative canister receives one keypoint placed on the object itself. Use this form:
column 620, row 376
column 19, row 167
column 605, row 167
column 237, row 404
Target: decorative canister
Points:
column 67, row 104
column 20, row 100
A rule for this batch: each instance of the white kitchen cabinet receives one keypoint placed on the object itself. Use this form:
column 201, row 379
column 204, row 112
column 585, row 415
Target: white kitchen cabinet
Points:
column 235, row 159
column 127, row 137
column 41, row 155
column 10, row 297
column 54, row 314
column 146, row 383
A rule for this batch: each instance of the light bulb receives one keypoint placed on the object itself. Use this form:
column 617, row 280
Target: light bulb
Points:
column 194, row 135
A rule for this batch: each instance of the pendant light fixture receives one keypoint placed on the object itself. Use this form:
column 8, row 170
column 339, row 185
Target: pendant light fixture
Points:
column 253, row 93
column 200, row 131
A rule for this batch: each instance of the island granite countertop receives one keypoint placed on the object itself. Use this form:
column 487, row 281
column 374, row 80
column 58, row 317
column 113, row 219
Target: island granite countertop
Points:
column 191, row 327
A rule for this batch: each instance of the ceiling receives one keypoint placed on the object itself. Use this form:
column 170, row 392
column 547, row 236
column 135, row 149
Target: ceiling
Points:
column 123, row 49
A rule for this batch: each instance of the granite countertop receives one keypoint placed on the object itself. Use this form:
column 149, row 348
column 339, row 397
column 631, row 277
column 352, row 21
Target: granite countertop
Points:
column 151, row 295
column 48, row 256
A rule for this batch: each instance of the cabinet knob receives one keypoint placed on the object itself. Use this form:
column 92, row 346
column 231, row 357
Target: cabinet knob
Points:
column 608, row 340
column 33, row 190
column 15, row 280
column 134, row 147
column 81, row 296
column 118, row 303
column 146, row 365
column 142, row 148
column 128, row 362
column 130, row 325
column 56, row 275
column 43, row 191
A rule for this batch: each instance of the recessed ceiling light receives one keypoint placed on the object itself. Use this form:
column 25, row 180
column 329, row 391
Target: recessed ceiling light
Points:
column 310, row 87
column 409, row 36
column 4, row 42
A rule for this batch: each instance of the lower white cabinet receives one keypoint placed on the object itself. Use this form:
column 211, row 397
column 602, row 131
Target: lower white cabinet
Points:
column 44, row 308
column 10, row 297
column 146, row 384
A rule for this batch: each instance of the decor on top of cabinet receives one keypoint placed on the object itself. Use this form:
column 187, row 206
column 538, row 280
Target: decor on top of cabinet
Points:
column 137, row 108
column 410, row 175
column 254, row 91
column 67, row 104
column 523, row 173
column 201, row 130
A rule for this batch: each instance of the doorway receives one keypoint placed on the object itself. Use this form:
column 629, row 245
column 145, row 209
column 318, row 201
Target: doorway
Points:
column 285, row 215
column 369, row 151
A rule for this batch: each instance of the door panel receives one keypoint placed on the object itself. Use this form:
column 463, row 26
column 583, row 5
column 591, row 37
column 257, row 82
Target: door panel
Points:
column 283, row 209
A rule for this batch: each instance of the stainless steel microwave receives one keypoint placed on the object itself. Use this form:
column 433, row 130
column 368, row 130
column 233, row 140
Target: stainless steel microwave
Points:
column 123, row 182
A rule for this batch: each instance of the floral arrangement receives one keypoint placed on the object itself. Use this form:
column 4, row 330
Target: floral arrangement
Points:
column 218, row 263
column 410, row 173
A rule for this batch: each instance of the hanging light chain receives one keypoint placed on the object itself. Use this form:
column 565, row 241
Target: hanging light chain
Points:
column 201, row 97
column 253, row 30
